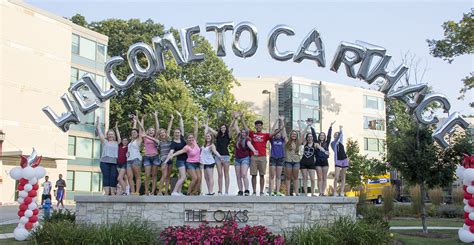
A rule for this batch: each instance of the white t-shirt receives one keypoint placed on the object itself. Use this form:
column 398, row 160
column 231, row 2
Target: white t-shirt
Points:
column 47, row 187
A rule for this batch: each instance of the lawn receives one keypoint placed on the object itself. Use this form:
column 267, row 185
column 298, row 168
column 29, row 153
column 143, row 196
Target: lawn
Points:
column 7, row 228
column 438, row 237
column 429, row 222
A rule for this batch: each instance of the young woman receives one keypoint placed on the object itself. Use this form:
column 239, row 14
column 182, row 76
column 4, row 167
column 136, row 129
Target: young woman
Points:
column 165, row 146
column 134, row 159
column 208, row 161
column 322, row 163
column 292, row 160
column 341, row 161
column 151, row 160
column 242, row 148
column 277, row 156
column 108, row 160
column 308, row 161
column 122, row 163
column 193, row 166
column 222, row 145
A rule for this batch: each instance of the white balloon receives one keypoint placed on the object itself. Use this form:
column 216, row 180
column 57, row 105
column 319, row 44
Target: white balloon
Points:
column 466, row 236
column 460, row 171
column 23, row 194
column 32, row 206
column 28, row 173
column 469, row 175
column 28, row 213
column 20, row 225
column 16, row 173
column 33, row 181
column 465, row 227
column 40, row 172
column 470, row 189
column 28, row 187
column 20, row 200
column 20, row 234
column 24, row 220
column 465, row 201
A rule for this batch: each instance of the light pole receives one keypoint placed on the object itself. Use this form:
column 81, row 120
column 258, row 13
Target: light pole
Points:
column 269, row 107
column 2, row 138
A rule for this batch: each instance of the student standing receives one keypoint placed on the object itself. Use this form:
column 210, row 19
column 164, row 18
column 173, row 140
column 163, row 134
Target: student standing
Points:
column 108, row 159
column 292, row 160
column 122, row 163
column 322, row 163
column 134, row 159
column 164, row 145
column 277, row 157
column 46, row 190
column 207, row 160
column 341, row 161
column 60, row 191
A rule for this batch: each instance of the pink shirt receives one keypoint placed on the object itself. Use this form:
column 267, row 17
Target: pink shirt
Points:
column 194, row 153
column 150, row 147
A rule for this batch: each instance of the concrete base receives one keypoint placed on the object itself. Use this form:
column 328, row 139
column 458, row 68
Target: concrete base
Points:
column 276, row 213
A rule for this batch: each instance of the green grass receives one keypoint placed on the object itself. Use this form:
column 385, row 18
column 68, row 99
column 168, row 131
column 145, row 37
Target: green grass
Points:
column 448, row 237
column 12, row 241
column 7, row 228
column 429, row 222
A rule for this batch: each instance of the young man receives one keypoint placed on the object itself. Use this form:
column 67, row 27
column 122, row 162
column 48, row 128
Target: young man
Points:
column 258, row 164
column 60, row 184
column 46, row 190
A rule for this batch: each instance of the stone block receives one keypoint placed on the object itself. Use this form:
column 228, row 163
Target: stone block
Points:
column 296, row 218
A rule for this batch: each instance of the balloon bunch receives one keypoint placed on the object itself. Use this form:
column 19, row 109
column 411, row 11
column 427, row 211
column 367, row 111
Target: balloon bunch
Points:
column 466, row 174
column 27, row 175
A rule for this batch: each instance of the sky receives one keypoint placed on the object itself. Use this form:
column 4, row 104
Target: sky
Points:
column 398, row 26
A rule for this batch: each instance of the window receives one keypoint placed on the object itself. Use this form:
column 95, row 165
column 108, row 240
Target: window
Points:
column 101, row 52
column 96, row 182
column 315, row 93
column 371, row 144
column 296, row 90
column 82, row 181
column 75, row 44
column 96, row 149
column 374, row 123
column 71, row 150
column 83, row 147
column 87, row 48
column 74, row 74
column 70, row 180
column 101, row 81
column 371, row 102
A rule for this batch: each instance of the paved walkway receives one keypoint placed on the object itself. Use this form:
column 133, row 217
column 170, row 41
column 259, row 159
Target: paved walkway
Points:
column 6, row 236
column 421, row 228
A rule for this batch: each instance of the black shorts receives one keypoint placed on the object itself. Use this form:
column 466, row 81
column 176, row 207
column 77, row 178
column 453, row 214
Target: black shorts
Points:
column 45, row 196
column 322, row 163
column 307, row 165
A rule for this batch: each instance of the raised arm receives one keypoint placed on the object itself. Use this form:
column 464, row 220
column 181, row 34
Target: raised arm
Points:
column 300, row 138
column 209, row 129
column 181, row 123
column 196, row 127
column 313, row 132
column 275, row 125
column 170, row 124
column 329, row 136
column 99, row 130
column 340, row 138
column 157, row 123
column 278, row 130
column 119, row 139
column 229, row 132
column 244, row 123
column 283, row 131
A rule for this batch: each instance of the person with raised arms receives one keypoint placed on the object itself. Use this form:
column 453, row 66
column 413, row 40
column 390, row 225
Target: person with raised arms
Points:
column 177, row 144
column 108, row 159
column 277, row 156
column 164, row 144
column 322, row 156
column 308, row 160
column 122, row 162
column 151, row 159
column 134, row 158
column 207, row 159
column 292, row 160
column 340, row 160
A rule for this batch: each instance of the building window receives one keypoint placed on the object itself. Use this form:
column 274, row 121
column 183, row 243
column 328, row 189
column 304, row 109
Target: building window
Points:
column 82, row 181
column 75, row 44
column 296, row 90
column 74, row 74
column 97, row 149
column 70, row 180
column 71, row 146
column 315, row 93
column 371, row 102
column 374, row 123
column 87, row 48
column 372, row 144
column 101, row 52
column 96, row 182
column 84, row 147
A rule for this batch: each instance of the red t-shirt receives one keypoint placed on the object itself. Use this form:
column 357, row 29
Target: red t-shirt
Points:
column 259, row 141
column 242, row 151
column 122, row 154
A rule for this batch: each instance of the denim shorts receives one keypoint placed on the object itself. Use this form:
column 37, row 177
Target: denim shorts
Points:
column 193, row 166
column 240, row 161
column 292, row 165
column 151, row 160
column 207, row 166
column 226, row 158
column 121, row 166
column 134, row 162
column 277, row 162
column 180, row 163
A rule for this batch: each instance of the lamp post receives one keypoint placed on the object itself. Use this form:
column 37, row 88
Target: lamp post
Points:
column 269, row 107
column 2, row 138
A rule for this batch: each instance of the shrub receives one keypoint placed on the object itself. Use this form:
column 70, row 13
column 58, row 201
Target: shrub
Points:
column 415, row 199
column 402, row 210
column 451, row 211
column 458, row 195
column 362, row 204
column 436, row 196
column 66, row 232
column 388, row 194
column 314, row 234
column 432, row 210
column 62, row 214
column 373, row 214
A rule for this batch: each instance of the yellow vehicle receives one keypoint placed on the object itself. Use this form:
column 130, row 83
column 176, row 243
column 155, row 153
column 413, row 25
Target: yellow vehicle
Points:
column 373, row 187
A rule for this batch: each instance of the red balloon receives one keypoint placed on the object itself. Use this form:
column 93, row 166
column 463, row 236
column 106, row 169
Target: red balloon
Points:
column 33, row 219
column 469, row 222
column 472, row 182
column 36, row 211
column 21, row 187
column 467, row 196
column 35, row 187
column 23, row 207
column 29, row 225
column 32, row 193
column 471, row 202
column 466, row 215
column 23, row 181
column 471, row 228
column 27, row 200
column 21, row 213
column 464, row 187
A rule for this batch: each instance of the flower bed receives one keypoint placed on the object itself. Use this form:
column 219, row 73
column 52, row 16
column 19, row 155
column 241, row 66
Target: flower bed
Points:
column 229, row 233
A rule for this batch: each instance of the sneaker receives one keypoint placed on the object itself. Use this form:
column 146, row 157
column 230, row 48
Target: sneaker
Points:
column 210, row 194
column 240, row 193
column 341, row 195
column 335, row 194
column 176, row 194
column 247, row 193
column 263, row 194
column 279, row 194
column 225, row 194
column 254, row 194
column 219, row 193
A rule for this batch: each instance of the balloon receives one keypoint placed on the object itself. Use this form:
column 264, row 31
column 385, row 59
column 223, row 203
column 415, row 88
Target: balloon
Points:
column 35, row 211
column 379, row 69
column 33, row 180
column 470, row 190
column 33, row 219
column 402, row 94
column 28, row 200
column 21, row 187
column 24, row 220
column 40, row 172
column 80, row 98
column 440, row 98
column 23, row 194
column 132, row 56
column 220, row 28
column 20, row 234
column 469, row 222
column 109, row 73
column 35, row 187
column 23, row 181
column 239, row 51
column 28, row 213
column 15, row 173
column 32, row 206
column 29, row 225
column 468, row 197
column 465, row 236
column 459, row 171
column 66, row 118
column 187, row 44
column 21, row 213
column 446, row 127
column 28, row 187
column 20, row 200
column 167, row 42
column 272, row 39
column 341, row 57
column 317, row 55
column 97, row 90
column 23, row 207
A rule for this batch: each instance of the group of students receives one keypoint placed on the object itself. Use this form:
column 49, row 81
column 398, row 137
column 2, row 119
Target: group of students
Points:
column 122, row 159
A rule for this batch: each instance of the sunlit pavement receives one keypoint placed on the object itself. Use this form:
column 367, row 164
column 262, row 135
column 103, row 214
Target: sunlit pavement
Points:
column 8, row 214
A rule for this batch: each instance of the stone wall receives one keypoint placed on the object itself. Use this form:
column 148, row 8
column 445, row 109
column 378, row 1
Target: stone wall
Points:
column 276, row 213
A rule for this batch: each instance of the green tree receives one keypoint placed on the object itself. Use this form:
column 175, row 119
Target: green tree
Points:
column 458, row 40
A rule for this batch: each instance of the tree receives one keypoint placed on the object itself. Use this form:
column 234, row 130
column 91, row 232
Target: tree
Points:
column 458, row 40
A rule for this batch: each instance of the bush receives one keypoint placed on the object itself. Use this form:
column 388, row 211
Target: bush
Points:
column 401, row 210
column 373, row 214
column 388, row 194
column 314, row 234
column 436, row 196
column 415, row 199
column 66, row 232
column 62, row 214
column 362, row 204
column 451, row 211
column 458, row 196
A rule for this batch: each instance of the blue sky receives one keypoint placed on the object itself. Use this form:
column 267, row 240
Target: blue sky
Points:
column 397, row 26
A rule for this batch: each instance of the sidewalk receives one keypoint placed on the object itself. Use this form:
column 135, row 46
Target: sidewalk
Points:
column 421, row 228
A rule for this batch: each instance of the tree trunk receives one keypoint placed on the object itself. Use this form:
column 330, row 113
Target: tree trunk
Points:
column 423, row 208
